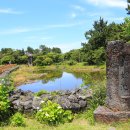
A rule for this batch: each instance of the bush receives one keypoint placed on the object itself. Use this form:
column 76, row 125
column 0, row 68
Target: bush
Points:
column 17, row 120
column 71, row 62
column 52, row 114
column 7, row 59
column 98, row 98
column 6, row 86
column 41, row 93
column 4, row 102
column 47, row 61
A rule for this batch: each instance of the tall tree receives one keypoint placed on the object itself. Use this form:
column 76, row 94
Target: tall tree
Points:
column 56, row 50
column 30, row 50
column 98, row 35
column 128, row 7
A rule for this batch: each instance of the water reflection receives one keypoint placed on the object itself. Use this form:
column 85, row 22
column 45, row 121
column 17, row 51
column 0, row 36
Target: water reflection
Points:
column 54, row 81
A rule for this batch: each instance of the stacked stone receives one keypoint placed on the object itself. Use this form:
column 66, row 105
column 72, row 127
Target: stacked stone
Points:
column 118, row 84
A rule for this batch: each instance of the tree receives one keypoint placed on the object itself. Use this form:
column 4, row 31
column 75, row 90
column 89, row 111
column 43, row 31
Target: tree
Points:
column 98, row 35
column 44, row 50
column 126, row 30
column 128, row 7
column 7, row 59
column 56, row 50
column 7, row 51
column 30, row 50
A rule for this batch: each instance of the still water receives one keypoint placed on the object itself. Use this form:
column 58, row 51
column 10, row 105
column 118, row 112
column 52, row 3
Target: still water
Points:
column 67, row 81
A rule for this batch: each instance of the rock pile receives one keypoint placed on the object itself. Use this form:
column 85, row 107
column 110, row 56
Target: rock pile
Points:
column 26, row 102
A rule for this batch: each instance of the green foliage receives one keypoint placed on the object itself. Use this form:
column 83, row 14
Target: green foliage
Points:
column 48, row 61
column 4, row 102
column 17, row 120
column 128, row 8
column 56, row 50
column 71, row 62
column 126, row 29
column 93, row 52
column 52, row 114
column 90, row 116
column 98, row 98
column 97, row 36
column 6, row 59
column 41, row 93
column 5, row 89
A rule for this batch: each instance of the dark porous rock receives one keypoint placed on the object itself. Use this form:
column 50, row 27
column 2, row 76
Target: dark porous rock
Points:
column 77, row 90
column 67, row 92
column 69, row 100
column 14, row 97
column 21, row 100
column 73, row 98
column 46, row 97
column 15, row 104
column 64, row 103
column 83, row 103
column 118, row 84
column 36, row 102
column 84, row 94
column 104, row 114
column 75, row 107
column 28, row 105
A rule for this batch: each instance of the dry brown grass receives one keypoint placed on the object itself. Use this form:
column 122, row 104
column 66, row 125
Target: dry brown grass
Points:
column 24, row 74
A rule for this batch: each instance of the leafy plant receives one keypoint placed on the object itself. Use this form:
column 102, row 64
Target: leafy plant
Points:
column 17, row 120
column 98, row 98
column 6, row 86
column 52, row 114
column 41, row 93
column 4, row 101
column 71, row 62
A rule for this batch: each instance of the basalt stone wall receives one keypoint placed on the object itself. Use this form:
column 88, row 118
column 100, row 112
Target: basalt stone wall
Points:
column 118, row 76
column 26, row 102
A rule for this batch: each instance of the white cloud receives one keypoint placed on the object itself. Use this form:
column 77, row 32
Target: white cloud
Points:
column 77, row 11
column 36, row 39
column 36, row 29
column 9, row 11
column 73, row 15
column 78, row 7
column 65, row 25
column 14, row 31
column 109, row 3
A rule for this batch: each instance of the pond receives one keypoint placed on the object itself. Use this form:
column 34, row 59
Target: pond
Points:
column 62, row 81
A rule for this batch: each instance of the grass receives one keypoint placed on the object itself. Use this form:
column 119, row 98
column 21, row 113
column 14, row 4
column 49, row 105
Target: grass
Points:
column 77, row 124
column 24, row 74
column 79, row 67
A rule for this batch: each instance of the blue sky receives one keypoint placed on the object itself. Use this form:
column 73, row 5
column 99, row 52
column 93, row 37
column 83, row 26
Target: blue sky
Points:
column 54, row 23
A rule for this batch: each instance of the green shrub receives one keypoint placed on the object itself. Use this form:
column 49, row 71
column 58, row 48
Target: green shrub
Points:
column 6, row 86
column 98, row 99
column 4, row 102
column 90, row 116
column 71, row 62
column 52, row 114
column 17, row 120
column 41, row 93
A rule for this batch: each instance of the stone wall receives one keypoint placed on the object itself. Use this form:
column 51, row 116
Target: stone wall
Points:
column 26, row 102
column 118, row 84
column 118, row 76
column 7, row 72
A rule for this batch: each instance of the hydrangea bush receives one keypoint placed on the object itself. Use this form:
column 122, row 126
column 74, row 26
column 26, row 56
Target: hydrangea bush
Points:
column 51, row 113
